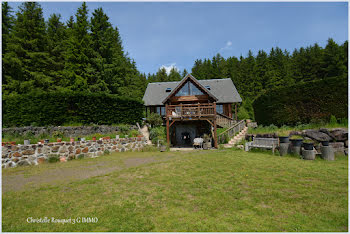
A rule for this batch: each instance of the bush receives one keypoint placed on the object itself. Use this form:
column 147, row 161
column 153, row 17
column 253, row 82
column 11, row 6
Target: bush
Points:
column 155, row 119
column 157, row 133
column 52, row 158
column 57, row 108
column 302, row 103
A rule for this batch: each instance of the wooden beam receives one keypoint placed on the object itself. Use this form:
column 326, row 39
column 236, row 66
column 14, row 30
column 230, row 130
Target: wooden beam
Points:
column 236, row 111
column 167, row 125
column 215, row 127
column 174, row 120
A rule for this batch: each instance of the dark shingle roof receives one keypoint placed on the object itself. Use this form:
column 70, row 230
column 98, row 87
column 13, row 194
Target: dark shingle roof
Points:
column 223, row 89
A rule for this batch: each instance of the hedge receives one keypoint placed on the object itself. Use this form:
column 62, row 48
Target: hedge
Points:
column 56, row 108
column 303, row 103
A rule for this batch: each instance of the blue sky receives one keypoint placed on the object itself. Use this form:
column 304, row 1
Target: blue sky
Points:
column 168, row 34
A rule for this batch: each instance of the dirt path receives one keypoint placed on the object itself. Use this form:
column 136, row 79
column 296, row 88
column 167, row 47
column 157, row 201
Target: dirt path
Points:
column 22, row 180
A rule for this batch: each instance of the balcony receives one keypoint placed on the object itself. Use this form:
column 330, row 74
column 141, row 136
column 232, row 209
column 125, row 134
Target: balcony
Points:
column 191, row 111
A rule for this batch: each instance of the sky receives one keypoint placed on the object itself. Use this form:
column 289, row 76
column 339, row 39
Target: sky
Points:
column 168, row 34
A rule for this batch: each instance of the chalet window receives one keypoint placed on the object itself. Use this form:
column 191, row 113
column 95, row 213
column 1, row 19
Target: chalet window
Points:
column 161, row 110
column 189, row 89
column 219, row 108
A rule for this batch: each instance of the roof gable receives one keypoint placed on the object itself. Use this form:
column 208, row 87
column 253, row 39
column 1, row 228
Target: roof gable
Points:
column 188, row 78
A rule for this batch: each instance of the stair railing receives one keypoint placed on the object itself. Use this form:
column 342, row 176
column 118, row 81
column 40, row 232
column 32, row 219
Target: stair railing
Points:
column 224, row 120
column 232, row 131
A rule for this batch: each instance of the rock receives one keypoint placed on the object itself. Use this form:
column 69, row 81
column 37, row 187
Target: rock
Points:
column 14, row 148
column 28, row 152
column 63, row 149
column 16, row 154
column 41, row 160
column 23, row 163
column 346, row 144
column 63, row 159
column 77, row 151
column 55, row 148
column 70, row 149
column 291, row 133
column 338, row 147
column 240, row 147
column 85, row 150
column 325, row 130
column 339, row 134
column 317, row 135
column 346, row 151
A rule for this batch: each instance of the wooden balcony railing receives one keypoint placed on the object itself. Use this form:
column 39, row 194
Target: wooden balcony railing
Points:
column 191, row 110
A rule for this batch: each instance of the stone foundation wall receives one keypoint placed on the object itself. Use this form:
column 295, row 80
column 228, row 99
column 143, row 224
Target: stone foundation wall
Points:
column 21, row 155
column 66, row 131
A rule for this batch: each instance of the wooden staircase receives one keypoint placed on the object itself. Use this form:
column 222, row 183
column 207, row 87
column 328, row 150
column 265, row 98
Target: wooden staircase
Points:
column 236, row 139
column 224, row 121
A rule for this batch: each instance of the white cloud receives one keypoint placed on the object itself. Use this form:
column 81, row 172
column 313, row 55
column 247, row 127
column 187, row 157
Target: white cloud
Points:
column 228, row 46
column 168, row 67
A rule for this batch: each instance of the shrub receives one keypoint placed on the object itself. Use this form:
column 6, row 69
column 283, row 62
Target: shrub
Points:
column 52, row 158
column 155, row 119
column 124, row 129
column 106, row 152
column 333, row 120
column 157, row 133
column 57, row 108
column 301, row 103
column 80, row 156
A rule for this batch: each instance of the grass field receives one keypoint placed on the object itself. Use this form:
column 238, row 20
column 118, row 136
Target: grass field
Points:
column 217, row 190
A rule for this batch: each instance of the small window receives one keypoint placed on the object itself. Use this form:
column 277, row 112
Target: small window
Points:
column 168, row 90
column 207, row 87
column 219, row 109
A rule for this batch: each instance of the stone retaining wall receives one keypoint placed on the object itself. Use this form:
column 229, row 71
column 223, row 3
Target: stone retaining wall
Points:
column 78, row 131
column 20, row 155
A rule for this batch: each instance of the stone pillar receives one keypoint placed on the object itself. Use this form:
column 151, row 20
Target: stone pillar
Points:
column 283, row 148
column 327, row 152
column 308, row 154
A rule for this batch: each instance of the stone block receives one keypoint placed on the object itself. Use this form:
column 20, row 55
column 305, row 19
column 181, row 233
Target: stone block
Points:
column 16, row 154
column 55, row 148
column 77, row 151
column 28, row 152
column 85, row 150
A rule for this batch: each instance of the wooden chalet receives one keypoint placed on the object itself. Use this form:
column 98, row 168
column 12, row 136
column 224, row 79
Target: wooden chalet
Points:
column 191, row 108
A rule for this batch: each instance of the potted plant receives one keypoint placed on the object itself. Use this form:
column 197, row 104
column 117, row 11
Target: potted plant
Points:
column 296, row 140
column 46, row 141
column 308, row 144
column 206, row 141
column 283, row 137
column 325, row 143
column 94, row 138
column 72, row 139
column 59, row 139
column 26, row 142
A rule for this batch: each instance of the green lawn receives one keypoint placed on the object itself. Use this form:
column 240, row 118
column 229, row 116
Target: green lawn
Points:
column 217, row 190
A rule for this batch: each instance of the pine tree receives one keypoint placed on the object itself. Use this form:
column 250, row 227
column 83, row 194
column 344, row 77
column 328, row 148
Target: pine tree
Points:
column 7, row 25
column 29, row 65
column 333, row 64
column 78, row 68
column 174, row 75
column 57, row 36
column 161, row 75
column 184, row 73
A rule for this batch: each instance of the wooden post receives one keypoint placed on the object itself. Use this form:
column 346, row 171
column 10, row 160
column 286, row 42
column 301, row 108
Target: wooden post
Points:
column 167, row 125
column 215, row 135
column 236, row 111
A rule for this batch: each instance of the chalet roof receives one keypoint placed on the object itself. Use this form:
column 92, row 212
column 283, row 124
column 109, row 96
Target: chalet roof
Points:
column 223, row 89
column 184, row 80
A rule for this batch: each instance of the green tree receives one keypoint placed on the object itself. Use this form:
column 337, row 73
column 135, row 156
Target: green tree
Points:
column 174, row 75
column 333, row 60
column 28, row 64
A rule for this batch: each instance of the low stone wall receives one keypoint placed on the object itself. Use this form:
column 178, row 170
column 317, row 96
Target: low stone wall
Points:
column 66, row 131
column 21, row 155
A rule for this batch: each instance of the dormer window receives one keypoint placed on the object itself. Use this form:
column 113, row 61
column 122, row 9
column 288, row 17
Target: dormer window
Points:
column 207, row 87
column 168, row 90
